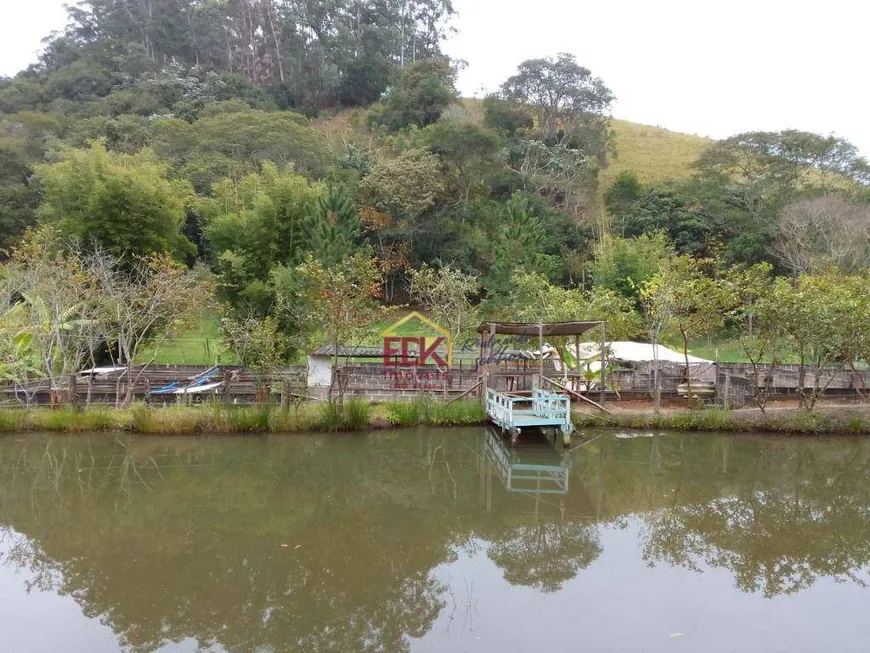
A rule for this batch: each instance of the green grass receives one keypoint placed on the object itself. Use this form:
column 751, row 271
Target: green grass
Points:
column 652, row 153
column 797, row 422
column 352, row 415
column 727, row 349
column 201, row 345
column 359, row 415
column 431, row 413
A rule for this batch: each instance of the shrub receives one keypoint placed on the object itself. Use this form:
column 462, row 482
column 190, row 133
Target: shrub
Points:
column 142, row 419
column 352, row 415
column 254, row 419
column 11, row 419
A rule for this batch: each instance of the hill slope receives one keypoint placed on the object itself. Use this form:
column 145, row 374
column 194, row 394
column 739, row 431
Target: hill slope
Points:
column 653, row 153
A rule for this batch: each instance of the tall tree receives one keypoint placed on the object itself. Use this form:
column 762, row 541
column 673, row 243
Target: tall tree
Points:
column 560, row 92
column 425, row 88
column 333, row 227
column 786, row 160
column 254, row 225
column 519, row 244
column 448, row 292
column 339, row 300
column 687, row 300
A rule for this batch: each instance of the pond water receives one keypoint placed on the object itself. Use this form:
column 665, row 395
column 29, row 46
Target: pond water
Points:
column 434, row 540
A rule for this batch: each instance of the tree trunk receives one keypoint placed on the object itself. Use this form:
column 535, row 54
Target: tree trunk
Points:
column 128, row 397
column 686, row 357
column 275, row 39
column 801, row 382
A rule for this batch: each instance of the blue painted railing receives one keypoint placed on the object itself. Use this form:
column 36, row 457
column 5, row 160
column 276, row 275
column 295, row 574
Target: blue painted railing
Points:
column 511, row 412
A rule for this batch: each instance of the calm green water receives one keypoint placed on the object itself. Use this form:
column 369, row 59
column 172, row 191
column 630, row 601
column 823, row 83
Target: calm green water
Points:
column 434, row 541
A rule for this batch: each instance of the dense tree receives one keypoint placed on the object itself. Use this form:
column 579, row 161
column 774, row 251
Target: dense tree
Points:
column 404, row 189
column 24, row 140
column 786, row 160
column 124, row 203
column 506, row 116
column 623, row 265
column 560, row 92
column 424, row 90
column 559, row 152
column 824, row 231
column 519, row 244
column 333, row 227
column 235, row 143
column 622, row 193
column 305, row 53
column 689, row 226
column 469, row 151
column 253, row 225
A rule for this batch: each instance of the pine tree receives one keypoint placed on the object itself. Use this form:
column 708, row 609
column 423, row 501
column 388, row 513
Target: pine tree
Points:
column 333, row 227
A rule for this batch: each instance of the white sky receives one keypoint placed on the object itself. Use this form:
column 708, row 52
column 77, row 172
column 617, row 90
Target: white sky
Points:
column 694, row 66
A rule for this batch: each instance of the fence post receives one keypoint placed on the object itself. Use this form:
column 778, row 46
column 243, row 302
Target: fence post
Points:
column 73, row 391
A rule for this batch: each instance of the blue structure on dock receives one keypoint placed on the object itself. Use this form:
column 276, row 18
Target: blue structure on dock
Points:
column 513, row 409
column 512, row 412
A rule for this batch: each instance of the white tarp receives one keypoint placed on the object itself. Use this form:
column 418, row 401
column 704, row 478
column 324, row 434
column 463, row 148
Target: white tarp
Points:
column 625, row 350
column 198, row 389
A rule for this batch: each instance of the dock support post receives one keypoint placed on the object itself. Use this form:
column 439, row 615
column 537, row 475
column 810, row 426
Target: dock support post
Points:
column 576, row 384
column 541, row 352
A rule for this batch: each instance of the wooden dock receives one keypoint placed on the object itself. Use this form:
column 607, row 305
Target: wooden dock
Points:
column 512, row 412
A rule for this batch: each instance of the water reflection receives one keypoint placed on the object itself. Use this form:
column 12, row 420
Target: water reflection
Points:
column 370, row 543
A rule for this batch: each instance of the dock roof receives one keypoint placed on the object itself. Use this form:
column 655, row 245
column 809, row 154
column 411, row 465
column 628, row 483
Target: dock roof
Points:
column 546, row 328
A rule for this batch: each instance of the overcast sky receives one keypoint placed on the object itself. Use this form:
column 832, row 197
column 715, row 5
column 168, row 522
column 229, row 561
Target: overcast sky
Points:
column 694, row 66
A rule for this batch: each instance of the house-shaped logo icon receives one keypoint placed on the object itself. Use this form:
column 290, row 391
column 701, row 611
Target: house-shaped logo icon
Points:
column 419, row 348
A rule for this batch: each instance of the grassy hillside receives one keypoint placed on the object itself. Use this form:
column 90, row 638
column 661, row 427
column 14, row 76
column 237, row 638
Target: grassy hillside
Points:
column 653, row 153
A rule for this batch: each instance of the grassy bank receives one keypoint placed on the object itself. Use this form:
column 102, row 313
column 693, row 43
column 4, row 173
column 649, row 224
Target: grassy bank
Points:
column 217, row 418
column 362, row 416
column 795, row 421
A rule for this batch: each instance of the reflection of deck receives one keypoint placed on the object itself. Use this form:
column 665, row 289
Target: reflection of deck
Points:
column 528, row 477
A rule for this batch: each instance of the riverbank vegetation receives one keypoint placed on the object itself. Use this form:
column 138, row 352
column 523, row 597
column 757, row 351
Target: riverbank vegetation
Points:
column 356, row 416
column 361, row 415
column 157, row 169
column 787, row 422
column 215, row 418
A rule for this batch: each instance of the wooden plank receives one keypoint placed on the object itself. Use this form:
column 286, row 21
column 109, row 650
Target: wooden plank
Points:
column 579, row 396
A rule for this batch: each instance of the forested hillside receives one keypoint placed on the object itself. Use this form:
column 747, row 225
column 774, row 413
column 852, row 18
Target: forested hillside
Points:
column 308, row 157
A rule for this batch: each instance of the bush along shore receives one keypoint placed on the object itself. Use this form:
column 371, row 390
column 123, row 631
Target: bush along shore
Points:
column 350, row 415
column 361, row 415
column 792, row 421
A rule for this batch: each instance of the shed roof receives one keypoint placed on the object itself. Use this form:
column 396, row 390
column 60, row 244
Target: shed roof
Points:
column 354, row 352
column 547, row 328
